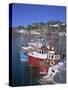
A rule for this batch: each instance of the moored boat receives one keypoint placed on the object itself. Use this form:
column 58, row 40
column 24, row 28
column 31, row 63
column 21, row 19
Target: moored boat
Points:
column 42, row 58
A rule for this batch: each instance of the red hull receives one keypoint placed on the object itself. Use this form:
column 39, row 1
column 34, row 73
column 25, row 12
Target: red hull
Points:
column 35, row 62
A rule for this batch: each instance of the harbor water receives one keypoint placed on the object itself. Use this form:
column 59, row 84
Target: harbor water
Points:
column 20, row 66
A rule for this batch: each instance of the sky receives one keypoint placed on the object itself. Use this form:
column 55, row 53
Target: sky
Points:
column 25, row 14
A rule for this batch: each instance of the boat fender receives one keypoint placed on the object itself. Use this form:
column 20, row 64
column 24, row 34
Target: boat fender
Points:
column 52, row 62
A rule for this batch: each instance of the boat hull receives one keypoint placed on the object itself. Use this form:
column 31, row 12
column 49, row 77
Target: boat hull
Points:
column 41, row 64
column 35, row 62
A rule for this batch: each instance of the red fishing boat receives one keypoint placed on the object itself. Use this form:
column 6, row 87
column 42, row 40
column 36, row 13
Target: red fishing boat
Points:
column 42, row 58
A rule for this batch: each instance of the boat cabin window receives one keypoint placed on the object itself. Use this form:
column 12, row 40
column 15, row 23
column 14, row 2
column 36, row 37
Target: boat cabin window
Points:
column 42, row 51
column 52, row 56
column 39, row 51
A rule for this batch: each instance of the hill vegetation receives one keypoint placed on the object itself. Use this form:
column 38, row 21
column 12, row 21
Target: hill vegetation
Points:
column 34, row 26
